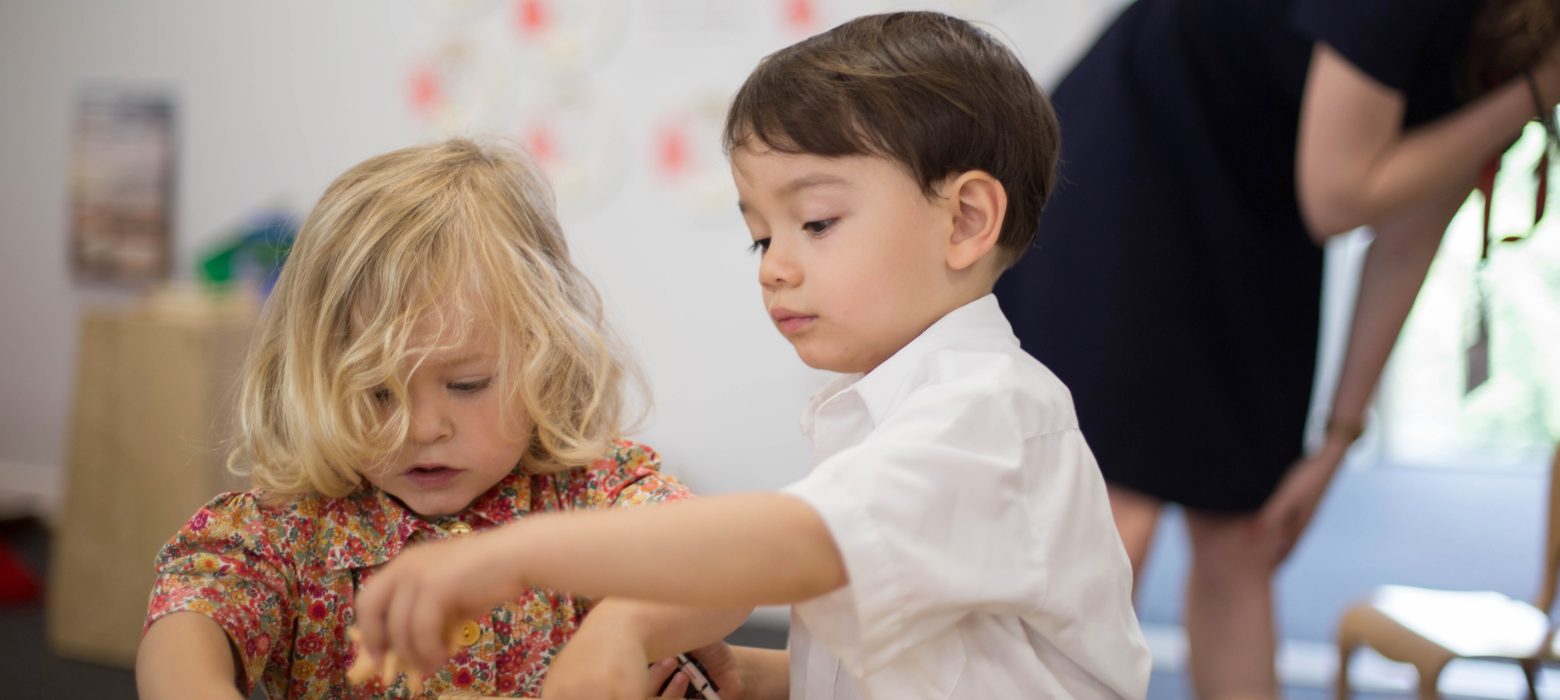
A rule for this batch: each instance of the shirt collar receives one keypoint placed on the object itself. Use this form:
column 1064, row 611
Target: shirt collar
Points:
column 370, row 527
column 978, row 323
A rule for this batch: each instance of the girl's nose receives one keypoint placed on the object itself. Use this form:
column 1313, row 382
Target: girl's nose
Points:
column 430, row 422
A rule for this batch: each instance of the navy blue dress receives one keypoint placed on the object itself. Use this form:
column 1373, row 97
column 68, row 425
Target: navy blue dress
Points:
column 1173, row 286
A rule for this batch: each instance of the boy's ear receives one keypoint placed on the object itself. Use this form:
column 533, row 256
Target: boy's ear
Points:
column 979, row 204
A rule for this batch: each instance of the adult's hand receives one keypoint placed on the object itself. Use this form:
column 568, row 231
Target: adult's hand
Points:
column 1289, row 510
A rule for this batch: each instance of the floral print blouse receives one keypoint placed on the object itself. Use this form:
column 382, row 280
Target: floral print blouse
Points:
column 280, row 578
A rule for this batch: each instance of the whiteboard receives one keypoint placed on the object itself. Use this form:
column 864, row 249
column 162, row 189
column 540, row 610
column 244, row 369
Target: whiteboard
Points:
column 276, row 98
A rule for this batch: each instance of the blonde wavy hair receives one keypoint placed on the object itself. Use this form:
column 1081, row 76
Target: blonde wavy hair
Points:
column 452, row 226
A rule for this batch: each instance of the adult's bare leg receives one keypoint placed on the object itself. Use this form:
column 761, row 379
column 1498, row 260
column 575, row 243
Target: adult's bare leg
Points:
column 1229, row 608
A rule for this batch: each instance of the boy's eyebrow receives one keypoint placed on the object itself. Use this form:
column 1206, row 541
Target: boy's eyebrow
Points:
column 813, row 180
column 804, row 182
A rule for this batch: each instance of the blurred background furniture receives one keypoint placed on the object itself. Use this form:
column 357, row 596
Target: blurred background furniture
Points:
column 151, row 414
column 1429, row 628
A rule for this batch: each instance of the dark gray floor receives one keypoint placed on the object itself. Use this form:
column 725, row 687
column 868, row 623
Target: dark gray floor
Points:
column 30, row 670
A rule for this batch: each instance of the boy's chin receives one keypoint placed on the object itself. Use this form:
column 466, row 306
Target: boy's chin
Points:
column 830, row 362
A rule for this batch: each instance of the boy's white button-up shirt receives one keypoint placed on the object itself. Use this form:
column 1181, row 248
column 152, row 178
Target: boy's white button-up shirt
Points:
column 974, row 527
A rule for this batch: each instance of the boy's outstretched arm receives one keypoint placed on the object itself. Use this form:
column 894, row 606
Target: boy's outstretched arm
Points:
column 724, row 551
column 186, row 655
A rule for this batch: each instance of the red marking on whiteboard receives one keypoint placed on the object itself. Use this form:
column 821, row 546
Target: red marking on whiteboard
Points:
column 532, row 17
column 424, row 89
column 672, row 151
column 539, row 139
column 800, row 14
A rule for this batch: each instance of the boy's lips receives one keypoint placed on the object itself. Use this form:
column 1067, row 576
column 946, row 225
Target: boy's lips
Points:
column 789, row 321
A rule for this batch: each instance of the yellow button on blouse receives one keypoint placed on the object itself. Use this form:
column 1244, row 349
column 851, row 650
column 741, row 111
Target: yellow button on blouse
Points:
column 470, row 632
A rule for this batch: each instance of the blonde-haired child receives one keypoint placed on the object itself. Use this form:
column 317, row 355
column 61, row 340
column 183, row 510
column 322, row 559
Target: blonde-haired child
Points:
column 431, row 363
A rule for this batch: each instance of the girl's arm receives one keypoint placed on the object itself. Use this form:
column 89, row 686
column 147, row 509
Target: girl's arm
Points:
column 730, row 551
column 766, row 673
column 1394, row 268
column 663, row 629
column 186, row 655
column 1354, row 164
column 609, row 654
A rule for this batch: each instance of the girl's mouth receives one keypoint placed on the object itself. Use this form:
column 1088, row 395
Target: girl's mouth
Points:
column 431, row 475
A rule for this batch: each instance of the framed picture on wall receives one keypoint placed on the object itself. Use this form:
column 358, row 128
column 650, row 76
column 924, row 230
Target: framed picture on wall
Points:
column 121, row 189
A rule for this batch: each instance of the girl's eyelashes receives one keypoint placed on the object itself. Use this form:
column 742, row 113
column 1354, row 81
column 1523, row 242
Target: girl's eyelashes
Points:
column 382, row 395
column 817, row 228
column 471, row 387
column 759, row 246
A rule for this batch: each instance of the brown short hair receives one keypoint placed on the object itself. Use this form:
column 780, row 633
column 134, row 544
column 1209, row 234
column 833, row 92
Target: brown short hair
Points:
column 1507, row 38
column 929, row 91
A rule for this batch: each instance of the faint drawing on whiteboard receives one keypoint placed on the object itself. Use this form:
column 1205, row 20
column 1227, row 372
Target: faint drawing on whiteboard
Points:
column 579, row 143
column 686, row 157
column 975, row 10
column 571, row 36
column 458, row 88
column 701, row 21
column 121, row 174
column 458, row 12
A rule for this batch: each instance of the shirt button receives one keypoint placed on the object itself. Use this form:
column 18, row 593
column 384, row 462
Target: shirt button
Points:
column 458, row 528
column 470, row 632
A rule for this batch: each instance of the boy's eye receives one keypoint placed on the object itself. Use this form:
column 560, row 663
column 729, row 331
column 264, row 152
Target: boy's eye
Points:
column 818, row 227
column 471, row 387
column 759, row 246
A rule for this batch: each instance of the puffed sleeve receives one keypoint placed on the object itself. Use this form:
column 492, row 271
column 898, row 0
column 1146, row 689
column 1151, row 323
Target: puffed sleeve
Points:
column 630, row 476
column 954, row 504
column 223, row 564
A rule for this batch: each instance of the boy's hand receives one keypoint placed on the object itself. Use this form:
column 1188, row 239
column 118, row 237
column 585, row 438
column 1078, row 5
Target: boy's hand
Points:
column 410, row 606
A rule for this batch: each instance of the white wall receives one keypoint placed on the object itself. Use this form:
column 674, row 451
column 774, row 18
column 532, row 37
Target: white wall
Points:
column 276, row 98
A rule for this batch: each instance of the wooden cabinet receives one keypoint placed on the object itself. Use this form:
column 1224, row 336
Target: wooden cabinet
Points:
column 151, row 427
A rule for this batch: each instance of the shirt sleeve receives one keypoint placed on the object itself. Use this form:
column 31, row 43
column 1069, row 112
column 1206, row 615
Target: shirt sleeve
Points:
column 934, row 517
column 222, row 565
column 1387, row 39
column 632, row 477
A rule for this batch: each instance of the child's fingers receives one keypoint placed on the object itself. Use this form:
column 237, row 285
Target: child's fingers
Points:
column 364, row 665
column 676, row 687
column 429, row 639
column 370, row 609
column 661, row 672
column 361, row 670
column 399, row 631
column 391, row 668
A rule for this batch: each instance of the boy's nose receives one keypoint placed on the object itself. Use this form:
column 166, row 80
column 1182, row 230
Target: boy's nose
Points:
column 778, row 268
